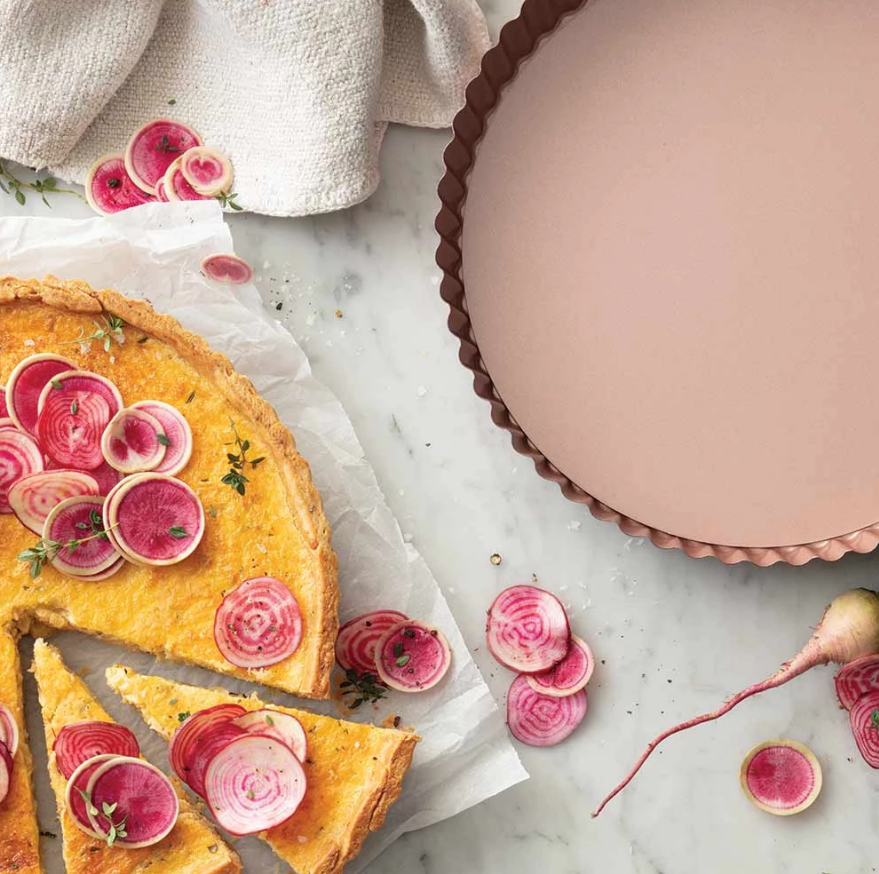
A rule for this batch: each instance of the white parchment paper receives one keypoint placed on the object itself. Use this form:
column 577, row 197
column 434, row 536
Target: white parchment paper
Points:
column 154, row 252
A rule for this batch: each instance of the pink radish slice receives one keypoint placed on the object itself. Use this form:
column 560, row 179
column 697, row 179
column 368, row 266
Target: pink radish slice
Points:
column 258, row 624
column 76, row 785
column 229, row 269
column 857, row 678
column 25, row 385
column 71, row 382
column 355, row 644
column 183, row 747
column 74, row 519
column 254, row 783
column 176, row 186
column 109, row 188
column 8, row 730
column 6, row 424
column 144, row 797
column 570, row 675
column 104, row 574
column 70, row 427
column 161, row 194
column 540, row 720
column 130, row 442
column 153, row 148
column 208, row 171
column 19, row 457
column 33, row 497
column 178, row 449
column 155, row 519
column 210, row 741
column 5, row 771
column 782, row 777
column 4, row 411
column 864, row 720
column 281, row 726
column 79, row 741
column 104, row 475
column 412, row 656
column 527, row 629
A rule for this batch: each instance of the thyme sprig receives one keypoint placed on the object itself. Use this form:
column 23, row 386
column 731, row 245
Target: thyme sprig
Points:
column 112, row 328
column 238, row 462
column 366, row 686
column 117, row 829
column 165, row 145
column 45, row 549
column 227, row 198
column 41, row 185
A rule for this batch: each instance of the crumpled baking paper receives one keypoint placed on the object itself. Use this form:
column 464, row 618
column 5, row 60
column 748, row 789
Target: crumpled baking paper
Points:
column 154, row 252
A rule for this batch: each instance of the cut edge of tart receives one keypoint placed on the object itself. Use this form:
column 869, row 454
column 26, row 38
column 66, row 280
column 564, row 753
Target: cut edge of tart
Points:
column 308, row 671
column 347, row 797
column 192, row 847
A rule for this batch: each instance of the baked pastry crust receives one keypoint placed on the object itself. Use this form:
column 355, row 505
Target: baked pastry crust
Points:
column 192, row 847
column 354, row 771
column 171, row 617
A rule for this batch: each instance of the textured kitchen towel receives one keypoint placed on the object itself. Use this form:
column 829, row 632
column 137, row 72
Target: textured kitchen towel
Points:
column 298, row 93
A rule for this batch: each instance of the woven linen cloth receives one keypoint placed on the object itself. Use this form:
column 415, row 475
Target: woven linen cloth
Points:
column 298, row 93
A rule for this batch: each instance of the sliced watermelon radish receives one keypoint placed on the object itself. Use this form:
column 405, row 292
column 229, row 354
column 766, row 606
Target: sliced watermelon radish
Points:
column 212, row 737
column 355, row 643
column 542, row 720
column 153, row 148
column 857, row 678
column 258, row 624
column 281, row 726
column 208, row 171
column 105, row 574
column 570, row 675
column 33, row 497
column 26, row 383
column 161, row 194
column 109, row 188
column 183, row 747
column 228, row 269
column 19, row 457
column 139, row 795
column 412, row 656
column 177, row 434
column 69, row 382
column 8, row 730
column 77, row 785
column 70, row 427
column 6, row 424
column 781, row 777
column 527, row 629
column 254, row 783
column 80, row 519
column 79, row 741
column 5, row 771
column 104, row 475
column 4, row 411
column 176, row 186
column 131, row 443
column 155, row 519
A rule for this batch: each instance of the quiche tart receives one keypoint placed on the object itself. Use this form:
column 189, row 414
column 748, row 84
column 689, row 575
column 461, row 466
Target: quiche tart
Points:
column 262, row 521
column 354, row 772
column 19, row 832
column 192, row 847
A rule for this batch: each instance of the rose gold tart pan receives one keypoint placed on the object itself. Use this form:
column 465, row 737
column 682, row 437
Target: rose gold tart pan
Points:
column 660, row 244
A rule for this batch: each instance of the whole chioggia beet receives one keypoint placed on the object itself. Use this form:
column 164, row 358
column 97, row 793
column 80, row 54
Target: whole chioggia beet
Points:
column 848, row 630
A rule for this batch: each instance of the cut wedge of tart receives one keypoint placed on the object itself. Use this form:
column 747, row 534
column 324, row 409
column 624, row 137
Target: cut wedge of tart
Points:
column 92, row 375
column 353, row 772
column 191, row 847
column 19, row 830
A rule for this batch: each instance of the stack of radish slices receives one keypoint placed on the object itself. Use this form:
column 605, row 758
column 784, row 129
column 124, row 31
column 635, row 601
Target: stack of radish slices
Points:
column 112, row 795
column 95, row 479
column 8, row 748
column 164, row 160
column 401, row 653
column 857, row 688
column 528, row 631
column 247, row 765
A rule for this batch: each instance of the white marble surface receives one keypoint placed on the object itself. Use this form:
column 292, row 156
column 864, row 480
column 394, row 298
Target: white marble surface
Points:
column 674, row 635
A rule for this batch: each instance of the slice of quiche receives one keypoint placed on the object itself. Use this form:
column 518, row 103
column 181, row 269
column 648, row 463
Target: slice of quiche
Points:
column 262, row 518
column 19, row 831
column 192, row 847
column 354, row 772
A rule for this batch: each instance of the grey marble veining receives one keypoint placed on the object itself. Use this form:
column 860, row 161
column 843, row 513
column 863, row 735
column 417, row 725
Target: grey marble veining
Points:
column 674, row 636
